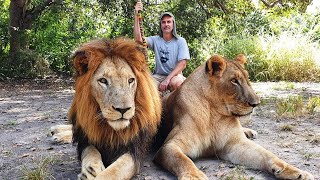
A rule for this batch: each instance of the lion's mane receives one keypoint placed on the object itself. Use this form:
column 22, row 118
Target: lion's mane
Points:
column 84, row 109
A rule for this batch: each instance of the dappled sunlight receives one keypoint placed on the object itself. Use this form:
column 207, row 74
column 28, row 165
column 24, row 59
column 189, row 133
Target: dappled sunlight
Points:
column 37, row 105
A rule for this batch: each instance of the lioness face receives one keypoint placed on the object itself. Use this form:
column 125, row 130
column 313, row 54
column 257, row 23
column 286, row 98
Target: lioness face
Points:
column 240, row 98
column 235, row 95
column 114, row 85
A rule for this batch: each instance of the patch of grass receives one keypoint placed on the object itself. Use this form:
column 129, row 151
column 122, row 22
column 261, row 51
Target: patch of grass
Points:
column 291, row 106
column 284, row 86
column 313, row 104
column 309, row 156
column 237, row 173
column 286, row 127
column 12, row 123
column 40, row 171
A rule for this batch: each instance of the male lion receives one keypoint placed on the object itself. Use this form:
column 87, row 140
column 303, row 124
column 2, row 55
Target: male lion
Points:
column 116, row 109
column 204, row 114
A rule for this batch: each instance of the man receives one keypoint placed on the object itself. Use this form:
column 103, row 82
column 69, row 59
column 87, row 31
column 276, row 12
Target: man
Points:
column 171, row 51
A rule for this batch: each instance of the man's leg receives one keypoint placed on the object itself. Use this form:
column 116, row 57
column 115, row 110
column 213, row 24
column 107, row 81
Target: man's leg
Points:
column 176, row 81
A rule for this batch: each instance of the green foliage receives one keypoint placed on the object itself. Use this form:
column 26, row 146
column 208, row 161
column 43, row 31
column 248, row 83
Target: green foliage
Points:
column 280, row 42
column 4, row 21
column 313, row 104
column 289, row 107
column 29, row 64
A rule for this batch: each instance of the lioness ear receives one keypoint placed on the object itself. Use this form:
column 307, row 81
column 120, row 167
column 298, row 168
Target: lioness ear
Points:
column 216, row 65
column 80, row 62
column 241, row 59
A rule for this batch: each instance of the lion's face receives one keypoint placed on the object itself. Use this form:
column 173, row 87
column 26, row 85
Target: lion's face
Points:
column 235, row 95
column 113, row 86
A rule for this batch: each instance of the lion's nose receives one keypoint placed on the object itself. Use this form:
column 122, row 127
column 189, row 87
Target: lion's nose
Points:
column 121, row 110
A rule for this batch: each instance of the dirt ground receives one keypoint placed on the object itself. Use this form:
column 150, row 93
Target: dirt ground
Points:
column 29, row 108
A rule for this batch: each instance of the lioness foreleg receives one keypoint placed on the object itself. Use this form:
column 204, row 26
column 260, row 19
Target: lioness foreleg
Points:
column 171, row 157
column 248, row 153
column 123, row 168
column 91, row 163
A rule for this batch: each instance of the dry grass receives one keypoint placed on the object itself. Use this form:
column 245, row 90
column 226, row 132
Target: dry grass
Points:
column 291, row 106
column 41, row 170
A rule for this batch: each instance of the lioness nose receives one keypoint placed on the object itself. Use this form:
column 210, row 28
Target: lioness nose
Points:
column 122, row 110
column 254, row 104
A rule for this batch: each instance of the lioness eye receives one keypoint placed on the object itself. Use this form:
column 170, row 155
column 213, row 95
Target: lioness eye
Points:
column 131, row 80
column 103, row 81
column 234, row 81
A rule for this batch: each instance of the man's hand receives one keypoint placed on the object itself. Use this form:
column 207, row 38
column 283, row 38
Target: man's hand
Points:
column 163, row 86
column 138, row 7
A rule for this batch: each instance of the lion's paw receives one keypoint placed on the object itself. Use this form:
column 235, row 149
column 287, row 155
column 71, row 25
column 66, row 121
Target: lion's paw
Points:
column 60, row 128
column 91, row 170
column 198, row 175
column 62, row 137
column 250, row 133
column 290, row 172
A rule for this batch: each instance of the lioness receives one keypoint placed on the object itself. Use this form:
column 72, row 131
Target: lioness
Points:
column 204, row 114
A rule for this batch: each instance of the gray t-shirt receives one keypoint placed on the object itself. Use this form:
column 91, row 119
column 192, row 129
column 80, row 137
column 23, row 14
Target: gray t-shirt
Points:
column 168, row 53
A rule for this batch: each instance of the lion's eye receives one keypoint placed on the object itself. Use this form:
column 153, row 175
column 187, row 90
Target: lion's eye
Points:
column 234, row 81
column 103, row 81
column 131, row 80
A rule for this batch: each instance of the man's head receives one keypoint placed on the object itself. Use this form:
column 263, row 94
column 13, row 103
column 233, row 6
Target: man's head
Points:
column 167, row 24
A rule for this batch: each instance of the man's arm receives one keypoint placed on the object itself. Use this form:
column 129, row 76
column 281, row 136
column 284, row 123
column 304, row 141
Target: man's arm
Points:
column 136, row 26
column 181, row 65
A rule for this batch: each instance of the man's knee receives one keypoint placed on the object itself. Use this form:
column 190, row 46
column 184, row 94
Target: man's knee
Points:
column 176, row 81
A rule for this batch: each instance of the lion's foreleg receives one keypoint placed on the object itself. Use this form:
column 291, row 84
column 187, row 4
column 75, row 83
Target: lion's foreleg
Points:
column 123, row 168
column 171, row 157
column 91, row 163
column 248, row 153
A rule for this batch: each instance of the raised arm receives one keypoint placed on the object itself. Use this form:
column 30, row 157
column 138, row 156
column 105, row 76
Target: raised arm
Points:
column 136, row 27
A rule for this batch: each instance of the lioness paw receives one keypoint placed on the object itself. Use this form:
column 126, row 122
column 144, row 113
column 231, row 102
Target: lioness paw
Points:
column 198, row 175
column 250, row 133
column 290, row 172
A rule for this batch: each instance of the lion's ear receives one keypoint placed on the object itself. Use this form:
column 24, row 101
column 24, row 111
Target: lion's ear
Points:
column 241, row 59
column 216, row 65
column 80, row 62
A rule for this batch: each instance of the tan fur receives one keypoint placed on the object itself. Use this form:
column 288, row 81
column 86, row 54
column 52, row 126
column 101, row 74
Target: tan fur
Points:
column 204, row 116
column 61, row 133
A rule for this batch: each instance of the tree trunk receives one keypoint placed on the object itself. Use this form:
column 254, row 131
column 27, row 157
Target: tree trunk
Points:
column 16, row 12
column 21, row 19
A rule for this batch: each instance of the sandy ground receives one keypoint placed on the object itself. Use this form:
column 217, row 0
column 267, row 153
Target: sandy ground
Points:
column 29, row 108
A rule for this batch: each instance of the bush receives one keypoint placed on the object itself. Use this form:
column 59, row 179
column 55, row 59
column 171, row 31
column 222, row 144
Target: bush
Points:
column 28, row 64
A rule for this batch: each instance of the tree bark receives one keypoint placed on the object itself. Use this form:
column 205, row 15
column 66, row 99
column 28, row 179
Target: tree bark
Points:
column 21, row 19
column 15, row 28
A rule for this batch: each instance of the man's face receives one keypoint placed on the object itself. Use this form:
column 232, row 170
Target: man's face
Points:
column 166, row 24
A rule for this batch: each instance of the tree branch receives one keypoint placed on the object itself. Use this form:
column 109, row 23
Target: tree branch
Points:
column 271, row 5
column 35, row 12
